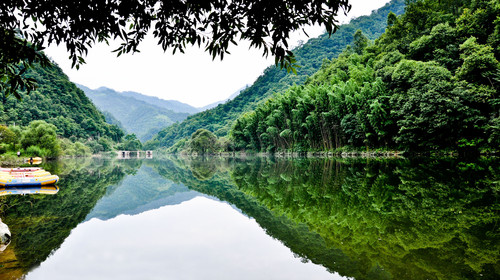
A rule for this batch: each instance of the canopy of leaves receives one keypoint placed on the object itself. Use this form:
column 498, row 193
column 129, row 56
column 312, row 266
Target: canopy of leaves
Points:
column 203, row 141
column 215, row 24
column 42, row 135
column 130, row 143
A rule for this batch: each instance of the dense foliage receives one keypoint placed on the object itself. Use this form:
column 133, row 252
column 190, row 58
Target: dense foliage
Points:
column 216, row 24
column 138, row 117
column 309, row 56
column 130, row 143
column 43, row 136
column 201, row 142
column 430, row 82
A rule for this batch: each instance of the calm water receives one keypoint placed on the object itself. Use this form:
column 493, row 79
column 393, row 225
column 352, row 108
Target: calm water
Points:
column 261, row 218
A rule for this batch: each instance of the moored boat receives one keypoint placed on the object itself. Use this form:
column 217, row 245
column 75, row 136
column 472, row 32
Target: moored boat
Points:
column 33, row 160
column 29, row 176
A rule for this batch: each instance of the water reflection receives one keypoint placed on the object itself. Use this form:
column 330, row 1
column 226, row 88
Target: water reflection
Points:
column 143, row 191
column 376, row 219
column 359, row 218
column 28, row 190
column 39, row 224
column 198, row 239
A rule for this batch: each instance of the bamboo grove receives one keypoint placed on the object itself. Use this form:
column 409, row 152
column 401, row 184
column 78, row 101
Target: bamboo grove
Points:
column 430, row 82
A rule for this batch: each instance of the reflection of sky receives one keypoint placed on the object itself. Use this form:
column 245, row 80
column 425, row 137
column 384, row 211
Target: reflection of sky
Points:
column 198, row 239
column 145, row 190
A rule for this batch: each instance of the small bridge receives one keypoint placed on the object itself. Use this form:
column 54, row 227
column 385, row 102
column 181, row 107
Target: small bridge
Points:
column 134, row 154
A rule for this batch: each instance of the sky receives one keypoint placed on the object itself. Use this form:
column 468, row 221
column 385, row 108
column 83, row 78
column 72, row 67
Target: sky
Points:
column 193, row 77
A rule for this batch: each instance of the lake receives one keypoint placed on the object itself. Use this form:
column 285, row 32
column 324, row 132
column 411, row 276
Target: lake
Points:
column 258, row 218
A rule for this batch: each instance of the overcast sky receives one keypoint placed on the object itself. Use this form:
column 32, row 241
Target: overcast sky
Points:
column 192, row 78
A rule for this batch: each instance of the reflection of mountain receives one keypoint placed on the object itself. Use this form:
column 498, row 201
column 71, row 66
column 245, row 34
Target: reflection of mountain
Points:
column 304, row 243
column 143, row 191
column 367, row 219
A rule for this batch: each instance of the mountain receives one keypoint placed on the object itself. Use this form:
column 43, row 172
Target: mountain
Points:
column 136, row 116
column 59, row 102
column 309, row 56
column 215, row 104
column 172, row 105
column 175, row 105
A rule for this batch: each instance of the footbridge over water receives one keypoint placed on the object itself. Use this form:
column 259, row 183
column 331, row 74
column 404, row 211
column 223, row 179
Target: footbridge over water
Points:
column 134, row 154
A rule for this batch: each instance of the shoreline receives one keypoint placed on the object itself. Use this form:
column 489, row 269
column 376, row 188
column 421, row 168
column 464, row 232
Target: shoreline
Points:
column 10, row 161
column 344, row 154
column 13, row 161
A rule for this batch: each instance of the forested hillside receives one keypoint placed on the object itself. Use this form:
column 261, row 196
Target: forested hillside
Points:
column 309, row 56
column 136, row 116
column 431, row 82
column 59, row 102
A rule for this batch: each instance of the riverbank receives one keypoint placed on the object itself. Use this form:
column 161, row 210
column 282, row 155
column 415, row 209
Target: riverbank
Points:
column 342, row 154
column 12, row 160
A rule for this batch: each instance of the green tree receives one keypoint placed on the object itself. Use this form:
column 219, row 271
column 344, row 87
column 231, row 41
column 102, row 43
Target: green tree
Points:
column 18, row 132
column 7, row 136
column 360, row 42
column 203, row 142
column 225, row 144
column 479, row 63
column 43, row 135
column 131, row 143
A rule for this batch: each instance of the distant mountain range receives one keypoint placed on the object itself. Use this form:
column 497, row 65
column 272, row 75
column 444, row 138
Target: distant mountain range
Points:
column 172, row 105
column 134, row 115
column 141, row 114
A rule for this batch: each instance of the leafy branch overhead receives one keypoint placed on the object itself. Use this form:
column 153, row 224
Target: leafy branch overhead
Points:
column 215, row 24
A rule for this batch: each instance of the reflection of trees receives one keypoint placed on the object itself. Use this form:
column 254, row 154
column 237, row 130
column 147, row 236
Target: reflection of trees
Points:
column 417, row 220
column 307, row 245
column 203, row 168
column 368, row 219
column 39, row 224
